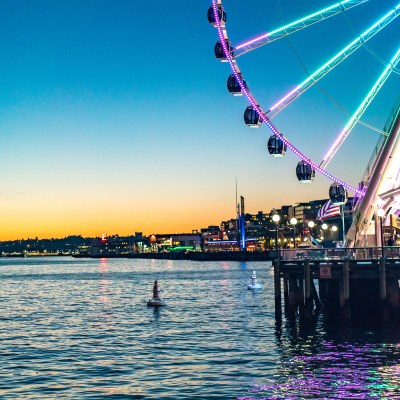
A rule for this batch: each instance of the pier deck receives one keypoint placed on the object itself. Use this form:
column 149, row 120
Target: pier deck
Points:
column 341, row 286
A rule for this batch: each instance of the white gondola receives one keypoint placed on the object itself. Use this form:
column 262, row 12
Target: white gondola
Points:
column 253, row 284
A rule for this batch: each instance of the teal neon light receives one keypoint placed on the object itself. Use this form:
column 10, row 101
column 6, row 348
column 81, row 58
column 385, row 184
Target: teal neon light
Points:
column 334, row 61
column 361, row 109
column 295, row 26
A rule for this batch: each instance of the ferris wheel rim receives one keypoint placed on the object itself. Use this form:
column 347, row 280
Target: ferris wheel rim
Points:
column 229, row 57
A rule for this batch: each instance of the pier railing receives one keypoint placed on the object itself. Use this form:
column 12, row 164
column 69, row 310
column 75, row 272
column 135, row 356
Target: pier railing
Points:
column 352, row 253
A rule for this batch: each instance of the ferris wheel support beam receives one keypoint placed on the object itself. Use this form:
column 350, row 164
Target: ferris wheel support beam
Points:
column 361, row 109
column 295, row 26
column 381, row 181
column 222, row 34
column 334, row 61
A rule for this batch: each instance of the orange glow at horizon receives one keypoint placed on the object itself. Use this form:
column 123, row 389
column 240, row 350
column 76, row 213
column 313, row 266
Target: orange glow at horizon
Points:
column 54, row 220
column 79, row 211
column 55, row 207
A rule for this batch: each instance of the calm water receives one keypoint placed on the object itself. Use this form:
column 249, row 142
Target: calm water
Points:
column 81, row 329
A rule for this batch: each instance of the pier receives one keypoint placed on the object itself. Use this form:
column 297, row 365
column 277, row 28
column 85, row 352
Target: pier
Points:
column 357, row 284
column 207, row 256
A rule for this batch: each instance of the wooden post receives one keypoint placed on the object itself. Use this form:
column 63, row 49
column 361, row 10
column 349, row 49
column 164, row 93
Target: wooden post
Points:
column 393, row 294
column 323, row 290
column 344, row 292
column 382, row 278
column 278, row 294
column 314, row 294
column 346, row 280
column 308, row 305
column 292, row 296
column 300, row 292
column 307, row 279
column 285, row 288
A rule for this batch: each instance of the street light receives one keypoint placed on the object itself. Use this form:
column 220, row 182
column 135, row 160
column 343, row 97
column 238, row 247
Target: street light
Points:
column 380, row 213
column 334, row 230
column 324, row 228
column 276, row 218
column 293, row 221
column 311, row 225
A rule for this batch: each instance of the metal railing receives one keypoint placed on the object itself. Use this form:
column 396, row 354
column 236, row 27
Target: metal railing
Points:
column 337, row 253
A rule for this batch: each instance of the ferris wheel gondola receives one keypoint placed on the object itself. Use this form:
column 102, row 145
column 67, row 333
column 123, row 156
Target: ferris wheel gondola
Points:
column 233, row 85
column 276, row 146
column 220, row 52
column 305, row 173
column 221, row 15
column 337, row 194
column 252, row 117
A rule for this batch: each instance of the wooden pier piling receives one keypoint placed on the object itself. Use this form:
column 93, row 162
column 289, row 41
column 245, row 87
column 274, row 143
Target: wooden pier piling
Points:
column 345, row 287
column 382, row 278
column 308, row 299
column 278, row 292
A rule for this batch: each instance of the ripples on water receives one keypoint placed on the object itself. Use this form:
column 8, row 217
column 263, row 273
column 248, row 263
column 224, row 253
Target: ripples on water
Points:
column 76, row 328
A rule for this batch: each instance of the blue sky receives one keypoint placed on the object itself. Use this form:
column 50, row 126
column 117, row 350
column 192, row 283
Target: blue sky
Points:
column 115, row 115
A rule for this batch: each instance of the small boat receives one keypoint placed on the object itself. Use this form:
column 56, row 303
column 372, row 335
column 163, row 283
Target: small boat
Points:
column 253, row 285
column 156, row 301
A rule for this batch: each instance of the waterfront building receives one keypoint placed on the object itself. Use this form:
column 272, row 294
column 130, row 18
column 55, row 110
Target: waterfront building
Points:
column 230, row 245
column 109, row 246
column 176, row 242
column 305, row 212
column 213, row 232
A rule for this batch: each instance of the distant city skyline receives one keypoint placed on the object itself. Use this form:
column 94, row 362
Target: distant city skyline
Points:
column 282, row 209
column 115, row 115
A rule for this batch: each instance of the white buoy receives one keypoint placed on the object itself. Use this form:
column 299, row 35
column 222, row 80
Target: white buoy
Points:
column 253, row 285
column 156, row 301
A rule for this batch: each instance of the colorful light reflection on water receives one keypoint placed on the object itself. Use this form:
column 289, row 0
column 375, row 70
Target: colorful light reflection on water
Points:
column 359, row 366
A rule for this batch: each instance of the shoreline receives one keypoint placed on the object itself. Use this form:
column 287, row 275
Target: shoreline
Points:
column 191, row 256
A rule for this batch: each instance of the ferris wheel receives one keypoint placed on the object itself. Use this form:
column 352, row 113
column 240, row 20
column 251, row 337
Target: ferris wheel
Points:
column 255, row 114
column 278, row 143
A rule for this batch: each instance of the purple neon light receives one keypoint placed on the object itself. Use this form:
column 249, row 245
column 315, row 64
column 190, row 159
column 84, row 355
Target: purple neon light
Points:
column 257, row 39
column 266, row 120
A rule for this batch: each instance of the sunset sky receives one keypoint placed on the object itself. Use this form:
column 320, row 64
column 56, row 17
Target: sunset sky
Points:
column 115, row 117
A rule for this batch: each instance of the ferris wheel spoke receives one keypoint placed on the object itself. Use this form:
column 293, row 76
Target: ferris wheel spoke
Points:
column 334, row 61
column 361, row 109
column 295, row 26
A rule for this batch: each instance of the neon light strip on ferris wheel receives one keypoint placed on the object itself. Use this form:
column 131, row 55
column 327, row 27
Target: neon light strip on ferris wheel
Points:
column 296, row 25
column 235, row 69
column 334, row 61
column 361, row 109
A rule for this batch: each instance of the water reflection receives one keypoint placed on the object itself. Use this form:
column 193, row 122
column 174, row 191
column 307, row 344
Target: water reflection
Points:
column 225, row 265
column 319, row 360
column 156, row 314
column 104, row 282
